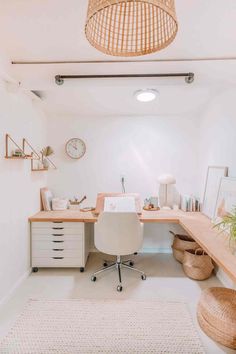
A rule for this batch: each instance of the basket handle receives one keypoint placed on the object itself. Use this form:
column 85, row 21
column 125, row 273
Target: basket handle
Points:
column 200, row 249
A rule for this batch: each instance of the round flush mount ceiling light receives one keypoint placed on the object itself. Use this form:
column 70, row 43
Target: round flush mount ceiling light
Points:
column 146, row 95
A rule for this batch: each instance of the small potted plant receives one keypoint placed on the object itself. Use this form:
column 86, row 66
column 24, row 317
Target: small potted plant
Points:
column 47, row 151
column 228, row 224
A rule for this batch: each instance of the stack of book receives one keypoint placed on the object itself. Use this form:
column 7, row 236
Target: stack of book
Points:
column 190, row 203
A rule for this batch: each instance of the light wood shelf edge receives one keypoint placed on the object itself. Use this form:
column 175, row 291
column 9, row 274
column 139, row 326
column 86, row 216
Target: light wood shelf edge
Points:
column 39, row 169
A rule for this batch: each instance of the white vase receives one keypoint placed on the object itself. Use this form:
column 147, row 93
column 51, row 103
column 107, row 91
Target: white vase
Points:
column 45, row 163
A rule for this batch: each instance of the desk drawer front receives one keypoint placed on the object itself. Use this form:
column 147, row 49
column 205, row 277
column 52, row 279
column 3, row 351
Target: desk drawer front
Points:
column 56, row 231
column 59, row 237
column 58, row 244
column 65, row 244
column 56, row 262
column 56, row 253
column 49, row 225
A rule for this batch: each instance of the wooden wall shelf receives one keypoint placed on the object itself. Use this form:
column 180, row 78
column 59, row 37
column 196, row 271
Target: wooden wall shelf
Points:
column 43, row 169
column 39, row 169
column 18, row 157
column 32, row 154
column 23, row 156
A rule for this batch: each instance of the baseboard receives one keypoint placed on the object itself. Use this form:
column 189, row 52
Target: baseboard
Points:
column 144, row 250
column 15, row 286
column 224, row 279
column 156, row 250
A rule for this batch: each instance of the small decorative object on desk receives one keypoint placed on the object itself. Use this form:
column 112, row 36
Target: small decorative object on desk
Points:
column 151, row 204
column 214, row 174
column 166, row 181
column 46, row 198
column 59, row 204
column 75, row 203
column 86, row 209
column 226, row 198
column 190, row 203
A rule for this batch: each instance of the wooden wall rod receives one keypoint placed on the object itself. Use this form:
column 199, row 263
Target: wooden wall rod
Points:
column 53, row 62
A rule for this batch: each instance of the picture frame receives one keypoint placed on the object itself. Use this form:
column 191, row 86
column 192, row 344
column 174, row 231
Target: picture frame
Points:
column 226, row 198
column 213, row 178
column 46, row 199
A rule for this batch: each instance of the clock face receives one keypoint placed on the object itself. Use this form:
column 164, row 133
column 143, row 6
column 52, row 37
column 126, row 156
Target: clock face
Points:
column 75, row 148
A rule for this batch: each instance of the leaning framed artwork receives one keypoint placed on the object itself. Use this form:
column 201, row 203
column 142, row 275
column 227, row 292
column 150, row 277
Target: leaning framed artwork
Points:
column 213, row 178
column 46, row 199
column 226, row 198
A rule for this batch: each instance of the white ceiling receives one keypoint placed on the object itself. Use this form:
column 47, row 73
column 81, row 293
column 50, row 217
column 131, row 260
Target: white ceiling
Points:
column 53, row 30
column 118, row 100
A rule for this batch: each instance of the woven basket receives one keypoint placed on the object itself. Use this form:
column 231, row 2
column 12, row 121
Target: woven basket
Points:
column 182, row 243
column 197, row 264
column 216, row 313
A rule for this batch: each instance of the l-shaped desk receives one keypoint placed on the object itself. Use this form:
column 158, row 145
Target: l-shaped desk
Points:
column 198, row 226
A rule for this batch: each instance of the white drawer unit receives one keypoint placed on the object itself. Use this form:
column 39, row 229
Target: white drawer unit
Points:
column 59, row 244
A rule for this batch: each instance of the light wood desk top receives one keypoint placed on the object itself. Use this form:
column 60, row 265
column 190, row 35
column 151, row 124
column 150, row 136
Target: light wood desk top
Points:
column 78, row 216
column 65, row 215
column 195, row 224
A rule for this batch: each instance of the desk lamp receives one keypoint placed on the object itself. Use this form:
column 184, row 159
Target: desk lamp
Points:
column 166, row 180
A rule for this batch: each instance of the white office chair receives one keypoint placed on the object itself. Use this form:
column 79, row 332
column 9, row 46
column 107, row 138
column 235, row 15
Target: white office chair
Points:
column 118, row 234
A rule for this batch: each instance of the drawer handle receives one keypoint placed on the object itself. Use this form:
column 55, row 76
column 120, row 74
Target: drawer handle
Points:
column 57, row 257
column 57, row 234
column 57, row 222
column 58, row 228
column 58, row 249
column 58, row 241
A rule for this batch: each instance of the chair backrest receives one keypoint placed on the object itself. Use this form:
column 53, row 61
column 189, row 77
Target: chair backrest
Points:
column 118, row 233
column 119, row 204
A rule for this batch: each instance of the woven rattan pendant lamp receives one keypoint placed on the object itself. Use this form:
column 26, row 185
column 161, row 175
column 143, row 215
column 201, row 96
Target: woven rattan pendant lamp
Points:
column 131, row 27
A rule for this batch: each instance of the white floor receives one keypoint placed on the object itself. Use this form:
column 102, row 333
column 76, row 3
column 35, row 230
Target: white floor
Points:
column 165, row 280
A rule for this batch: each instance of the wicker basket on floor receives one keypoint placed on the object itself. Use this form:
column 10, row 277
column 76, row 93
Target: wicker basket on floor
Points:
column 182, row 243
column 216, row 315
column 197, row 264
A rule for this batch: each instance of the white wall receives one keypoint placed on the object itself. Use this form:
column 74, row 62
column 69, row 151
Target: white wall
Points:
column 140, row 148
column 218, row 141
column 19, row 187
column 218, row 134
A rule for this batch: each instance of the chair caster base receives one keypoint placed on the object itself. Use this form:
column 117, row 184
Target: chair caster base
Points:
column 119, row 288
column 81, row 269
column 143, row 277
column 93, row 278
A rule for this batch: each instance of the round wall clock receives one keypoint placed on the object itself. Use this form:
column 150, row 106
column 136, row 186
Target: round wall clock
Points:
column 75, row 148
